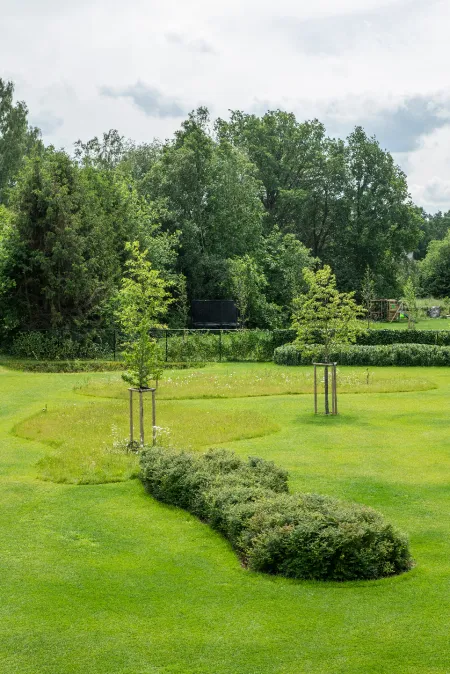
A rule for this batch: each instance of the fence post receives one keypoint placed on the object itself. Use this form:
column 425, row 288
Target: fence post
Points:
column 220, row 346
column 165, row 331
column 114, row 343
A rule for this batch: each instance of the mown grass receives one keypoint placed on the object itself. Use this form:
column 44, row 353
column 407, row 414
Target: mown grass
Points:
column 102, row 579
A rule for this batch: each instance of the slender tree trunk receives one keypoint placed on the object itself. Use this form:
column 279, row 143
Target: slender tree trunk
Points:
column 327, row 403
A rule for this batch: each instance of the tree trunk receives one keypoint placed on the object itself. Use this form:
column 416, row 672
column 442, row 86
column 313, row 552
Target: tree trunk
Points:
column 327, row 403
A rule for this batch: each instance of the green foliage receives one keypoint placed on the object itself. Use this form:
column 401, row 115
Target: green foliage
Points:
column 235, row 346
column 394, row 354
column 141, row 302
column 42, row 346
column 298, row 536
column 247, row 285
column 208, row 193
column 375, row 337
column 434, row 227
column 17, row 138
column 368, row 292
column 325, row 316
column 410, row 298
column 435, row 268
column 283, row 258
column 73, row 365
column 53, row 278
column 327, row 191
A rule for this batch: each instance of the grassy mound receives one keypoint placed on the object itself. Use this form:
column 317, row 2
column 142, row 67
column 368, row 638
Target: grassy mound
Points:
column 298, row 536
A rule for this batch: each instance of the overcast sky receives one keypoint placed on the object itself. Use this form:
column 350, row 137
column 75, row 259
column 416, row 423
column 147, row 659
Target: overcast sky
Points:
column 140, row 66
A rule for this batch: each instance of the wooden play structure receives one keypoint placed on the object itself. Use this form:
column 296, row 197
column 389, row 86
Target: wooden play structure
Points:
column 386, row 310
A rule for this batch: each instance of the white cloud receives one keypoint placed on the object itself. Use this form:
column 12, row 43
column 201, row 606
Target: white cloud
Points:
column 152, row 101
column 382, row 63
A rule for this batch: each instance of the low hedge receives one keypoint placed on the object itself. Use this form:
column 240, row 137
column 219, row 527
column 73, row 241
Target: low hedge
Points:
column 233, row 346
column 56, row 366
column 396, row 354
column 379, row 337
column 62, row 366
column 51, row 346
column 296, row 535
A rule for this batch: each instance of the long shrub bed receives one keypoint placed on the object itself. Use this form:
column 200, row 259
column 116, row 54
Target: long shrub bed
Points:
column 396, row 354
column 296, row 535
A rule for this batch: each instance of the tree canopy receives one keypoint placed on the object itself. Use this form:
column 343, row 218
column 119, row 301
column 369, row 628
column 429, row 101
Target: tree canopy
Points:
column 231, row 209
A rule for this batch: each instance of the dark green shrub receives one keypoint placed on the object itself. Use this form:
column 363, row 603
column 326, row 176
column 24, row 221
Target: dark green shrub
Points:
column 395, row 354
column 379, row 337
column 233, row 346
column 50, row 346
column 80, row 365
column 63, row 365
column 299, row 536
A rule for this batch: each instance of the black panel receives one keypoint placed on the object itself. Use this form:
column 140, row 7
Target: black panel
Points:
column 214, row 314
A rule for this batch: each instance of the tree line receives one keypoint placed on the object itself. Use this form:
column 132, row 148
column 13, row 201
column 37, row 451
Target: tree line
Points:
column 232, row 208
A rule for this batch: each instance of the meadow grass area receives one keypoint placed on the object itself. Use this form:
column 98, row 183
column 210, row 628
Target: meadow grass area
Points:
column 422, row 324
column 100, row 578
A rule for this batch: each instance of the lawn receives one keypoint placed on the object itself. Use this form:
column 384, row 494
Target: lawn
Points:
column 100, row 578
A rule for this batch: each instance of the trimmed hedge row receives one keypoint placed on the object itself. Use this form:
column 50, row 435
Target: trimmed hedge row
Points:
column 259, row 345
column 235, row 346
column 296, row 535
column 379, row 337
column 55, row 366
column 48, row 347
column 81, row 365
column 396, row 354
column 190, row 347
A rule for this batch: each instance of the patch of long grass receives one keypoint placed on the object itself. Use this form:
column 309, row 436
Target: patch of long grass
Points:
column 88, row 440
column 250, row 380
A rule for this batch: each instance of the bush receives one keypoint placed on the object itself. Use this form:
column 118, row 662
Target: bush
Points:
column 63, row 365
column 42, row 346
column 233, row 346
column 396, row 354
column 295, row 535
column 376, row 337
column 81, row 365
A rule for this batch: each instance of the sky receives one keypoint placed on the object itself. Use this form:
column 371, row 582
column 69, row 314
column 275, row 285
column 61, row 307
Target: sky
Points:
column 86, row 66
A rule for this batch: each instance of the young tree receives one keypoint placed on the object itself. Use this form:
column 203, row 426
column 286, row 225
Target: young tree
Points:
column 248, row 284
column 324, row 316
column 410, row 298
column 368, row 292
column 142, row 301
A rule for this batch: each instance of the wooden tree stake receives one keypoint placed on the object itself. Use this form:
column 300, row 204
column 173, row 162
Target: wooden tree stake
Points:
column 326, row 366
column 131, row 418
column 154, row 416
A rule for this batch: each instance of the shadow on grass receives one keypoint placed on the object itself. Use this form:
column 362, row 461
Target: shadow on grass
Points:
column 321, row 419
